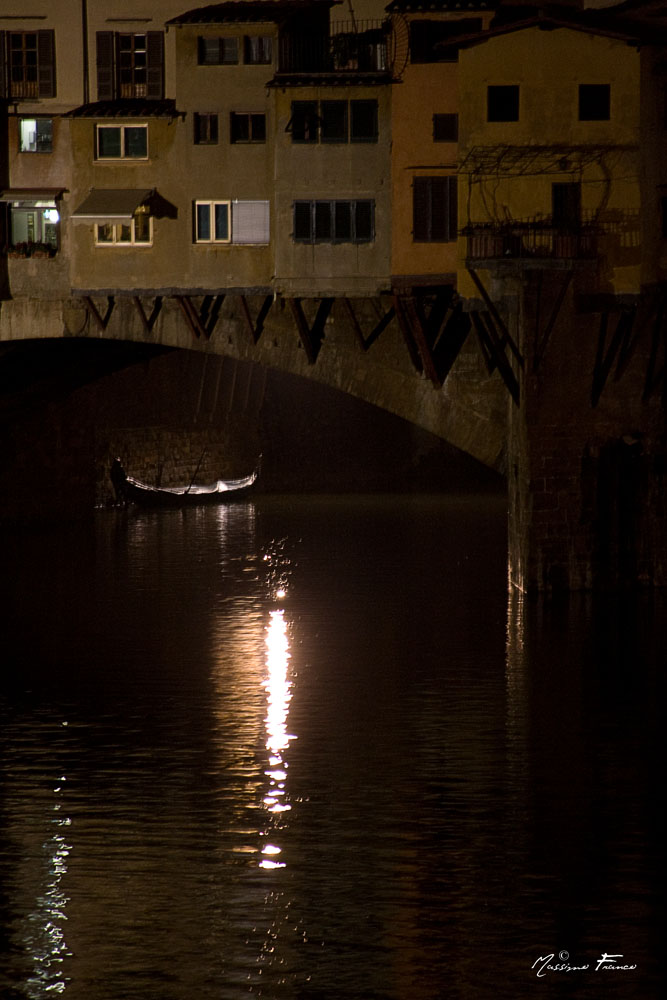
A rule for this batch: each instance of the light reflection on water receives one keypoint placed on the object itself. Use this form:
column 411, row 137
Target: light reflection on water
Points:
column 315, row 749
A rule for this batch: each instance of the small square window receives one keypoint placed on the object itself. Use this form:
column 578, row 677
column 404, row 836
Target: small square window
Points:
column 594, row 102
column 503, row 103
column 247, row 127
column 36, row 135
column 445, row 128
column 257, row 50
column 206, row 129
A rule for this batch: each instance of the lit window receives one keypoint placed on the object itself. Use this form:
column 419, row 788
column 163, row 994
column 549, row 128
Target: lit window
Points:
column 116, row 142
column 34, row 222
column 137, row 231
column 35, row 135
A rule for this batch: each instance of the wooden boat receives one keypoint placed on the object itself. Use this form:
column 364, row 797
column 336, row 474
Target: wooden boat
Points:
column 131, row 490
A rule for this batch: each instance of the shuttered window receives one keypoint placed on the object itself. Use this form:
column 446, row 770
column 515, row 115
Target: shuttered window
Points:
column 206, row 129
column 27, row 64
column 244, row 222
column 250, row 222
column 130, row 65
column 434, row 209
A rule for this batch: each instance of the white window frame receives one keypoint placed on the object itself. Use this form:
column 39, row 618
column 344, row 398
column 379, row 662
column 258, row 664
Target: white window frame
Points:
column 117, row 228
column 212, row 238
column 122, row 128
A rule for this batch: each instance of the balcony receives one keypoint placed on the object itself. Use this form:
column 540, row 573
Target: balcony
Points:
column 349, row 47
column 535, row 240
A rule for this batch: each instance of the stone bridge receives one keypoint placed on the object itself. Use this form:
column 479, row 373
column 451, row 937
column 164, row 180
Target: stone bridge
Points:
column 414, row 355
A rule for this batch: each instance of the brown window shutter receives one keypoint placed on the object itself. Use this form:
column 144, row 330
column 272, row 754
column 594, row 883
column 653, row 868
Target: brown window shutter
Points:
column 46, row 60
column 105, row 66
column 155, row 61
column 453, row 208
column 3, row 64
column 421, row 208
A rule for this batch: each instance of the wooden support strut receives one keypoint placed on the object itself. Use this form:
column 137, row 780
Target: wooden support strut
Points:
column 622, row 344
column 192, row 317
column 101, row 321
column 308, row 342
column 255, row 329
column 541, row 342
column 366, row 341
column 148, row 322
column 497, row 318
column 658, row 336
column 494, row 351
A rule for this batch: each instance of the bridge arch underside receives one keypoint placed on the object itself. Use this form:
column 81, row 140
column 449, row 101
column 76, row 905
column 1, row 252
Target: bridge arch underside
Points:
column 415, row 356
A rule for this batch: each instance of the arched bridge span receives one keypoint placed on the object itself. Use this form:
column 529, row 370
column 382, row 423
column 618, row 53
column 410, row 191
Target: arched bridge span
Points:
column 412, row 355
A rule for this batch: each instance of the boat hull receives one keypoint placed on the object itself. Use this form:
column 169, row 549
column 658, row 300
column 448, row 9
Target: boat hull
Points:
column 131, row 490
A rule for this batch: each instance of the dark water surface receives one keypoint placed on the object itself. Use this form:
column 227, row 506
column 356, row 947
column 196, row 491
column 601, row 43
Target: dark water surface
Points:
column 310, row 748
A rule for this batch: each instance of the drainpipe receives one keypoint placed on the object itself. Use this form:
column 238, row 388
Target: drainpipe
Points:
column 84, row 29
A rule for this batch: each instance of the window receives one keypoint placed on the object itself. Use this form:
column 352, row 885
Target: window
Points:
column 29, row 58
column 663, row 210
column 137, row 232
column 428, row 39
column 566, row 206
column 594, row 102
column 240, row 222
column 333, row 126
column 257, row 49
column 35, row 135
column 212, row 222
column 219, row 51
column 247, row 127
column 206, row 129
column 334, row 221
column 120, row 142
column 434, row 209
column 304, row 122
column 503, row 103
column 445, row 128
column 130, row 65
column 363, row 121
column 36, row 222
column 334, row 121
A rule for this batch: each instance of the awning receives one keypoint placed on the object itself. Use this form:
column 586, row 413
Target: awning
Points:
column 31, row 194
column 111, row 204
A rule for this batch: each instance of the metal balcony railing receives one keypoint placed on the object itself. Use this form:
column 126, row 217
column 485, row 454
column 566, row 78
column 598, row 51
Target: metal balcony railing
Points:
column 350, row 46
column 531, row 239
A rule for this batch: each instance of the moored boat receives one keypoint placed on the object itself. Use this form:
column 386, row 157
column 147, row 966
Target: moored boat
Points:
column 131, row 490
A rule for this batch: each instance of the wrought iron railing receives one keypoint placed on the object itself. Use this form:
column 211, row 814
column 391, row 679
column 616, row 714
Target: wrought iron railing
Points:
column 531, row 239
column 350, row 46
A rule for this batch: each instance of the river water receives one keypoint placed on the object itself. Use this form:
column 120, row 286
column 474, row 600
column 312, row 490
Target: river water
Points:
column 313, row 748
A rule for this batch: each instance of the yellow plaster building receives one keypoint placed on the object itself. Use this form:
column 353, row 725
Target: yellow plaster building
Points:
column 550, row 149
